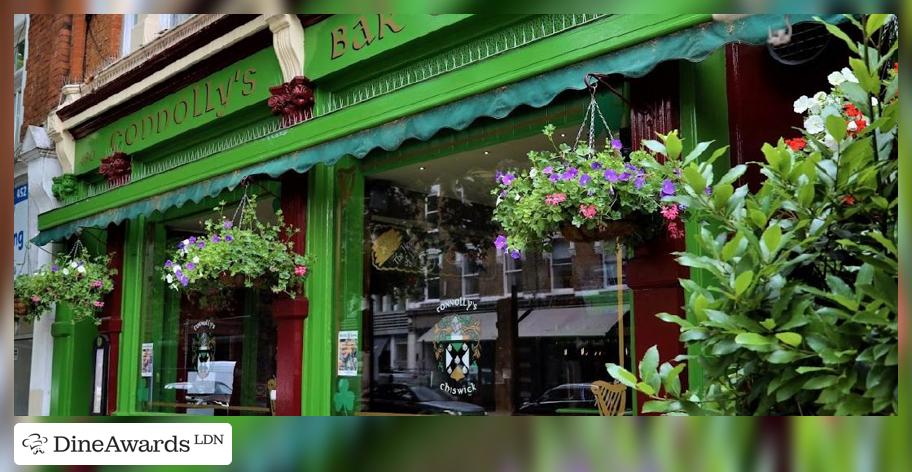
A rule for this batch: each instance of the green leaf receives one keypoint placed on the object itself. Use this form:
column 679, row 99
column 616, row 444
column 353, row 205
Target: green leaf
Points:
column 836, row 126
column 770, row 240
column 654, row 146
column 734, row 247
column 698, row 150
column 805, row 370
column 673, row 145
column 751, row 339
column 758, row 218
column 645, row 388
column 743, row 281
column 821, row 381
column 621, row 374
column 733, row 174
column 875, row 22
column 658, row 406
column 669, row 318
column 670, row 378
column 695, row 179
column 781, row 357
column 790, row 338
column 869, row 82
column 836, row 31
column 648, row 368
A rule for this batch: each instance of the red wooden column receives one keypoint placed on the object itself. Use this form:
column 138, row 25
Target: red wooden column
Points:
column 653, row 273
column 111, row 321
column 289, row 313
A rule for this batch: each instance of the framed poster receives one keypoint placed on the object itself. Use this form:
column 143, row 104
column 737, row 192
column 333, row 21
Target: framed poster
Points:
column 348, row 353
column 146, row 366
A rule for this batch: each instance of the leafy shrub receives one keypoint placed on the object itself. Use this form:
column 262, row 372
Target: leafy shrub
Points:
column 802, row 317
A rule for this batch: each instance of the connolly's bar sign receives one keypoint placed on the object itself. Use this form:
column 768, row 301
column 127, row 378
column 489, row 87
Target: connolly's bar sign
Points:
column 221, row 93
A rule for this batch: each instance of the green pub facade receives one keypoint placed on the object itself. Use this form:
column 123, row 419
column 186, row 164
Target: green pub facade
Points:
column 380, row 135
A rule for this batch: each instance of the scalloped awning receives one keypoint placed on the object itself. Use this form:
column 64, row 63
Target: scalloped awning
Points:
column 692, row 44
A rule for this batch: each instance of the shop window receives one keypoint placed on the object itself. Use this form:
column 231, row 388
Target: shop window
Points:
column 209, row 353
column 608, row 255
column 561, row 265
column 431, row 235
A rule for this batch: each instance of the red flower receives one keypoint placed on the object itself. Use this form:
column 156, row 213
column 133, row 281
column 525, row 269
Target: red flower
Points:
column 860, row 125
column 796, row 144
column 675, row 231
column 848, row 200
column 851, row 110
column 896, row 67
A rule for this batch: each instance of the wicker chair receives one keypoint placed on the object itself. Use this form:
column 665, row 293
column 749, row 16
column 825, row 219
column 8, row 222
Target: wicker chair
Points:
column 610, row 397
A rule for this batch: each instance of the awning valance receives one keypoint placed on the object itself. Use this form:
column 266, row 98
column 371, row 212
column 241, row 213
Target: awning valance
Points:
column 692, row 44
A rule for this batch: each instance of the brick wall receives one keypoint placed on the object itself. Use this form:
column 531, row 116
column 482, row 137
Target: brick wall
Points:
column 64, row 49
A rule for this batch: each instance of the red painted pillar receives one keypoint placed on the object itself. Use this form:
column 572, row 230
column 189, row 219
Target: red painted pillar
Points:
column 653, row 273
column 111, row 321
column 289, row 313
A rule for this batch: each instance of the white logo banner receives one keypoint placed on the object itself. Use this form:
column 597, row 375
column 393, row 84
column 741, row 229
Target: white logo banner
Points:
column 122, row 443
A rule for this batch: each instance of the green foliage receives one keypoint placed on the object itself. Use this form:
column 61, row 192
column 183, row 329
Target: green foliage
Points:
column 588, row 189
column 260, row 252
column 801, row 318
column 64, row 186
column 80, row 280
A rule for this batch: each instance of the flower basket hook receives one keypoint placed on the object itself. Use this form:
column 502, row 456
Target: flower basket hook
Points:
column 593, row 111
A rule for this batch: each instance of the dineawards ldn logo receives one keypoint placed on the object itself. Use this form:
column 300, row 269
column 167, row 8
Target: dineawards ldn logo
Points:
column 122, row 443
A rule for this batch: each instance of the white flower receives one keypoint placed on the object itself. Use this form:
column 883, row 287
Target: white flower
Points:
column 836, row 78
column 81, row 269
column 848, row 75
column 169, row 278
column 874, row 101
column 73, row 264
column 196, row 259
column 813, row 124
column 516, row 197
column 802, row 104
column 820, row 97
column 852, row 126
column 533, row 173
column 66, row 271
column 176, row 268
column 186, row 242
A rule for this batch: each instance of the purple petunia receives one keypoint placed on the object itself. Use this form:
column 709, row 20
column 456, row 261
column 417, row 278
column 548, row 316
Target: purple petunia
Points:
column 192, row 239
column 611, row 176
column 595, row 166
column 181, row 245
column 201, row 244
column 168, row 263
column 184, row 281
column 668, row 188
column 554, row 177
column 570, row 173
column 708, row 190
column 548, row 170
column 229, row 238
column 625, row 176
column 616, row 144
column 55, row 268
column 215, row 238
column 191, row 266
column 514, row 254
column 584, row 179
column 640, row 181
column 227, row 224
column 631, row 168
column 507, row 178
column 500, row 242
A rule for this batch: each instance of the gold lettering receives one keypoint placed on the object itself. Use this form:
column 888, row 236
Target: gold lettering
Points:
column 151, row 121
column 365, row 33
column 115, row 142
column 223, row 97
column 250, row 84
column 386, row 20
column 127, row 139
column 196, row 101
column 159, row 124
column 183, row 115
column 209, row 106
column 338, row 39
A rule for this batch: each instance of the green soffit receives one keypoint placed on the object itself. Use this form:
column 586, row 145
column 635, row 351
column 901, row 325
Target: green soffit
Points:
column 692, row 44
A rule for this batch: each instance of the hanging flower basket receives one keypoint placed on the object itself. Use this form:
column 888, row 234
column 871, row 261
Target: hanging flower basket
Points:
column 590, row 195
column 78, row 280
column 242, row 252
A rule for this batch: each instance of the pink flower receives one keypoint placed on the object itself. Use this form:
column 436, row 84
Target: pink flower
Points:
column 675, row 231
column 300, row 271
column 97, row 284
column 670, row 212
column 36, row 299
column 588, row 211
column 555, row 198
column 98, row 304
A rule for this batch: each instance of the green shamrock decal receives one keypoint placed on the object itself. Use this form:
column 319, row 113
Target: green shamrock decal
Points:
column 344, row 399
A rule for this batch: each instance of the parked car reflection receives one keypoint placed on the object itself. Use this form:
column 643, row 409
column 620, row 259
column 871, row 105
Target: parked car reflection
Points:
column 418, row 399
column 574, row 395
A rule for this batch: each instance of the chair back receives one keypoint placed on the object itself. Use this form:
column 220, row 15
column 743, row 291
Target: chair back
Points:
column 610, row 397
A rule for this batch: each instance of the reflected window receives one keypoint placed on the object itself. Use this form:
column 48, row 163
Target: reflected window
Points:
column 471, row 268
column 561, row 264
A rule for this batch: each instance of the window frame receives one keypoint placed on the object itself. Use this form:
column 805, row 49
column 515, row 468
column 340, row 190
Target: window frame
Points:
column 571, row 249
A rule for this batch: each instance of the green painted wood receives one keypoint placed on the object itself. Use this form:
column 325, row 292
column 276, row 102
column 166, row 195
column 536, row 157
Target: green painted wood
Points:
column 130, row 343
column 587, row 41
column 249, row 359
column 342, row 41
column 318, row 362
column 222, row 93
column 704, row 117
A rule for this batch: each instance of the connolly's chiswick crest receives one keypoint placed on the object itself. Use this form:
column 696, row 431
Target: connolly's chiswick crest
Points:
column 457, row 348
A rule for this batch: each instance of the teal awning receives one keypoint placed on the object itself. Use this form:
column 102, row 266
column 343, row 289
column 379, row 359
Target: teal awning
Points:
column 692, row 44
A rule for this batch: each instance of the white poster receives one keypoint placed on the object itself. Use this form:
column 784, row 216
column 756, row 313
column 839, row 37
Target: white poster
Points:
column 348, row 353
column 147, row 353
column 20, row 225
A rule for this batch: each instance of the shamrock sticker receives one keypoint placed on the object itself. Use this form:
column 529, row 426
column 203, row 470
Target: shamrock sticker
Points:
column 344, row 399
